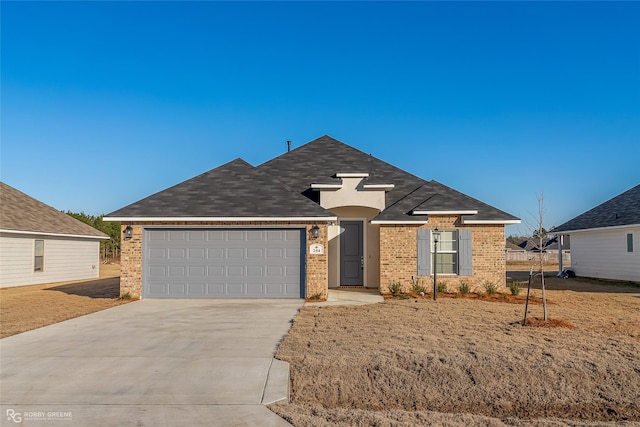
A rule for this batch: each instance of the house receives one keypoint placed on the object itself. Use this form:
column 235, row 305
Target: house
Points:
column 39, row 244
column 514, row 252
column 550, row 251
column 605, row 241
column 324, row 215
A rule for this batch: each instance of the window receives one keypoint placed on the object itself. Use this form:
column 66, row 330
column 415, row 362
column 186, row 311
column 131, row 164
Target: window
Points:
column 454, row 252
column 447, row 256
column 630, row 242
column 38, row 256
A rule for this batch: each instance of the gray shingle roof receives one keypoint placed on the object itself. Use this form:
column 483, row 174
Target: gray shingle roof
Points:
column 20, row 212
column 281, row 187
column 235, row 189
column 319, row 160
column 434, row 196
column 623, row 209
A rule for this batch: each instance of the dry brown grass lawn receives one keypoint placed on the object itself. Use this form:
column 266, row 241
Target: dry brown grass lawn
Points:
column 468, row 362
column 24, row 308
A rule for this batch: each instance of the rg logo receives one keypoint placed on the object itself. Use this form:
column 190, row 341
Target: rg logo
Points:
column 14, row 416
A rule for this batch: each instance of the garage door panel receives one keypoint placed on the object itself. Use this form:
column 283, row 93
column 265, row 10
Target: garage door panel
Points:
column 177, row 289
column 274, row 289
column 197, row 236
column 158, row 253
column 275, row 271
column 277, row 253
column 221, row 263
column 255, row 289
column 177, row 271
column 157, row 235
column 235, row 272
column 158, row 289
column 196, row 290
column 197, row 253
column 255, row 254
column 235, row 253
column 255, row 271
column 215, row 271
column 215, row 290
column 177, row 253
column 237, row 235
column 158, row 271
column 292, row 271
column 214, row 235
column 197, row 271
column 236, row 290
column 177, row 236
column 216, row 253
column 254, row 235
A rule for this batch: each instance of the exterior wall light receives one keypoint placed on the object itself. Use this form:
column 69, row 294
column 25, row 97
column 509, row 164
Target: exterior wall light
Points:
column 128, row 232
column 315, row 232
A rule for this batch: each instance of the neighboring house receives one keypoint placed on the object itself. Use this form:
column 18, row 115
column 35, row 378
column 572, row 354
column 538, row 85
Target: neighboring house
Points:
column 528, row 251
column 514, row 252
column 39, row 244
column 605, row 241
column 322, row 216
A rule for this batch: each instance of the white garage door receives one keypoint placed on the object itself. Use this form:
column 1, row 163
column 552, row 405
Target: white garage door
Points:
column 222, row 263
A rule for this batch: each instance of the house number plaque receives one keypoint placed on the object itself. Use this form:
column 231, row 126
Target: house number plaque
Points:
column 316, row 249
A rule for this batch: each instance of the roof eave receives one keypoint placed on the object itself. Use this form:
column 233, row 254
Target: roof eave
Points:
column 490, row 221
column 580, row 230
column 45, row 233
column 399, row 222
column 219, row 219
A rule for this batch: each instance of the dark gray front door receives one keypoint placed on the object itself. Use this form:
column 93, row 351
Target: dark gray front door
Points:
column 222, row 263
column 351, row 254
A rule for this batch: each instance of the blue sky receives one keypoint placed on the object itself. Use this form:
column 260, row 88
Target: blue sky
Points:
column 104, row 103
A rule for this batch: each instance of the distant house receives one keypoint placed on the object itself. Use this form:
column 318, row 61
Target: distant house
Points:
column 605, row 241
column 39, row 244
column 528, row 251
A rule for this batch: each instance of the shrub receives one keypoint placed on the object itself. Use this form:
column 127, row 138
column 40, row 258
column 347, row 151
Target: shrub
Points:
column 515, row 288
column 125, row 296
column 463, row 287
column 395, row 288
column 490, row 287
column 316, row 296
column 417, row 287
column 441, row 287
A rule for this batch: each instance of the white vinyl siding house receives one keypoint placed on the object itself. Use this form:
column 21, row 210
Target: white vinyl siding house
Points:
column 605, row 239
column 605, row 253
column 39, row 244
column 63, row 259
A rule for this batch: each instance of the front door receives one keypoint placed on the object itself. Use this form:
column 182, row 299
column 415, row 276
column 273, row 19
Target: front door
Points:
column 351, row 254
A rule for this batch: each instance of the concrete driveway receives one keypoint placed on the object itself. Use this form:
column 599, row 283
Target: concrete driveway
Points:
column 151, row 363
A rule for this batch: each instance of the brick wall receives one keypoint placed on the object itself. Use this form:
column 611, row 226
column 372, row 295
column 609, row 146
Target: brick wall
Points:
column 399, row 254
column 317, row 273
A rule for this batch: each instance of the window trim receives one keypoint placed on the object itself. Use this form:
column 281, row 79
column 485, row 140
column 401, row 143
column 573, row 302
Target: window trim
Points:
column 37, row 256
column 425, row 256
column 456, row 252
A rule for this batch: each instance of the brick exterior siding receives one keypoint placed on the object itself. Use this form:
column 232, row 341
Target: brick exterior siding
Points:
column 399, row 255
column 317, row 273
